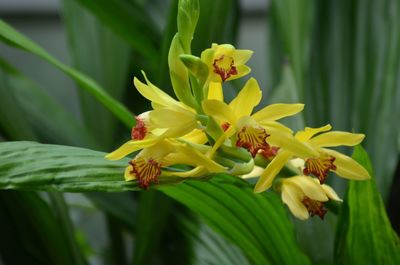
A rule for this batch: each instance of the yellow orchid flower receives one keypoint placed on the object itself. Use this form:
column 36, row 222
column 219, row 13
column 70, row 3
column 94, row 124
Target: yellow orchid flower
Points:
column 147, row 166
column 170, row 118
column 259, row 131
column 305, row 196
column 225, row 62
column 323, row 162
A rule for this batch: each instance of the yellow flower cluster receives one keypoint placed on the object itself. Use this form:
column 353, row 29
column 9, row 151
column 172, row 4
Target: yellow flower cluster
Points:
column 208, row 135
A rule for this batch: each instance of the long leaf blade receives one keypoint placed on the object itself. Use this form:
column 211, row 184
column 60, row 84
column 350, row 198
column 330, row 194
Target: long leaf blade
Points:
column 257, row 223
column 364, row 233
column 12, row 37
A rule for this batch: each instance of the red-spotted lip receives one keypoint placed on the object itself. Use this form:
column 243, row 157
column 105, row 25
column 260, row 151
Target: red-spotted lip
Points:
column 319, row 167
column 314, row 207
column 139, row 132
column 224, row 72
column 146, row 171
column 253, row 139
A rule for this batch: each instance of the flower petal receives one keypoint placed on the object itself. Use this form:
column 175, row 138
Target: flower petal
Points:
column 242, row 70
column 337, row 138
column 292, row 197
column 289, row 143
column 277, row 111
column 153, row 93
column 215, row 91
column 128, row 175
column 178, row 122
column 274, row 125
column 241, row 56
column 310, row 132
column 191, row 156
column 247, row 99
column 331, row 193
column 310, row 188
column 271, row 171
column 196, row 136
column 132, row 146
column 219, row 110
column 347, row 167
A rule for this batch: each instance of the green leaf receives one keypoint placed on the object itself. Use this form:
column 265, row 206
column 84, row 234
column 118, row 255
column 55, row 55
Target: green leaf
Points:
column 294, row 20
column 12, row 118
column 105, row 57
column 30, row 232
column 130, row 21
column 210, row 247
column 364, row 233
column 27, row 105
column 33, row 166
column 12, row 37
column 257, row 223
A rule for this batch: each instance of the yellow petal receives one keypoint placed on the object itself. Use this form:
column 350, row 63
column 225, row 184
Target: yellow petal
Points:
column 128, row 175
column 172, row 118
column 195, row 172
column 131, row 146
column 310, row 132
column 271, row 171
column 241, row 56
column 289, row 143
column 331, row 193
column 242, row 70
column 292, row 197
column 196, row 136
column 219, row 110
column 256, row 172
column 277, row 111
column 274, row 125
column 191, row 156
column 215, row 91
column 227, row 134
column 347, row 167
column 309, row 187
column 337, row 138
column 247, row 99
column 153, row 93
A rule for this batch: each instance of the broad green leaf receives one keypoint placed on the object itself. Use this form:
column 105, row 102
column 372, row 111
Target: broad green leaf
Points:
column 30, row 106
column 33, row 166
column 102, row 55
column 31, row 233
column 257, row 223
column 12, row 37
column 364, row 233
column 131, row 21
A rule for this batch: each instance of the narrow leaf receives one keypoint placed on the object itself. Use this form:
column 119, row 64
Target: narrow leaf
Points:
column 12, row 37
column 364, row 233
